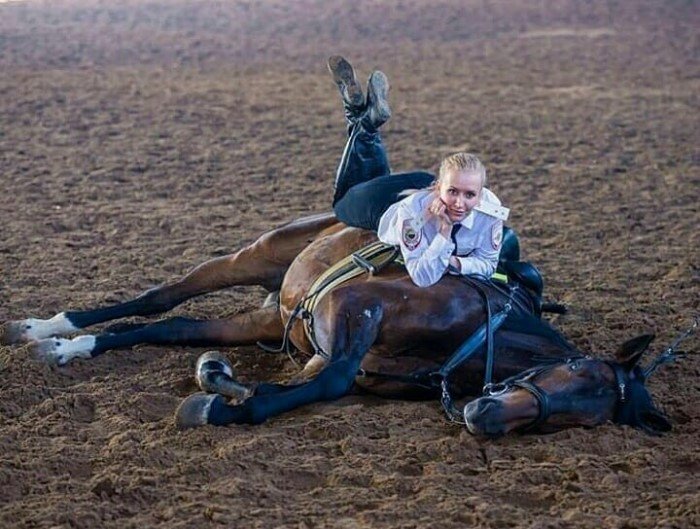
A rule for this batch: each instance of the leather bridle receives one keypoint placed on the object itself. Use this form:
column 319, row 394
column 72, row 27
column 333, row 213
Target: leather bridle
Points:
column 632, row 399
column 543, row 399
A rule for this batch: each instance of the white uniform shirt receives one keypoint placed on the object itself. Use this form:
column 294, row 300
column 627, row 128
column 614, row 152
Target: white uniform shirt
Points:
column 427, row 252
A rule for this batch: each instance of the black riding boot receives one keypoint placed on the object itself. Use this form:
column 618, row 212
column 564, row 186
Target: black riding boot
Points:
column 363, row 159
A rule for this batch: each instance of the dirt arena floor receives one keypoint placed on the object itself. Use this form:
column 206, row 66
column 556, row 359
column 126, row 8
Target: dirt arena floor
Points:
column 140, row 140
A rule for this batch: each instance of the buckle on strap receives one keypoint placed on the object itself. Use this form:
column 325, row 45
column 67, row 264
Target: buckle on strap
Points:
column 363, row 263
column 380, row 257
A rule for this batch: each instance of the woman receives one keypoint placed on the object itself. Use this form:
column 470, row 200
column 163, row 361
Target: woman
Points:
column 453, row 224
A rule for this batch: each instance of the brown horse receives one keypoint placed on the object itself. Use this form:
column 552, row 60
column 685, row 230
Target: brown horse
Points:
column 581, row 391
column 377, row 323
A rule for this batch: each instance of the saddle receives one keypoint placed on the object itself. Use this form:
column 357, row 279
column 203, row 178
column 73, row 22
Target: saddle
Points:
column 522, row 272
column 526, row 274
column 376, row 256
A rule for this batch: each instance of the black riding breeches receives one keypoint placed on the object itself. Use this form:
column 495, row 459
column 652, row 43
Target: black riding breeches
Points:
column 364, row 187
column 364, row 204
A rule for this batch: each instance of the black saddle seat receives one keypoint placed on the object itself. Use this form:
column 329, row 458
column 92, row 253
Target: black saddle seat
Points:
column 510, row 247
column 526, row 274
column 509, row 263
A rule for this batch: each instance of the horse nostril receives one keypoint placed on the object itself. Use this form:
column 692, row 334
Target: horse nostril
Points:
column 481, row 416
column 485, row 405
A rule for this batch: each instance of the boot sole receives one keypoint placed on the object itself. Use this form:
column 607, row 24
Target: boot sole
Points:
column 344, row 76
column 378, row 91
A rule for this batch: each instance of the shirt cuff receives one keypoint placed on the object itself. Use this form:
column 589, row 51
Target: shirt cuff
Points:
column 441, row 248
column 474, row 265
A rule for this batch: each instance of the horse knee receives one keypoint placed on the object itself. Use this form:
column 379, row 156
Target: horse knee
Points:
column 337, row 379
column 337, row 387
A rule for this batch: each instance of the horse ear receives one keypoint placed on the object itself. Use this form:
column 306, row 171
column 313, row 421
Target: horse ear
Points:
column 653, row 422
column 632, row 350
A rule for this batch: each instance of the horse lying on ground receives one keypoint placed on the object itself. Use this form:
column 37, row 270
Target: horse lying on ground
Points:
column 377, row 324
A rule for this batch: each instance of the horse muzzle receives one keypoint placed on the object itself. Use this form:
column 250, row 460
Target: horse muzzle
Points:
column 483, row 417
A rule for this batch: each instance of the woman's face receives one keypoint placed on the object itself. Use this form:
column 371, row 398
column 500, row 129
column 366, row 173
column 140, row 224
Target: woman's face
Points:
column 460, row 191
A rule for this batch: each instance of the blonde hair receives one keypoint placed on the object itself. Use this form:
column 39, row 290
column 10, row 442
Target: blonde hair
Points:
column 462, row 161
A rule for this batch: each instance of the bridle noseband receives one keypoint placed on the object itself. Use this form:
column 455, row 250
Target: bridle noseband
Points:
column 523, row 380
column 543, row 405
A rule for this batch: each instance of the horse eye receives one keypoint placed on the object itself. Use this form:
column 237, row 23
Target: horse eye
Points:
column 573, row 366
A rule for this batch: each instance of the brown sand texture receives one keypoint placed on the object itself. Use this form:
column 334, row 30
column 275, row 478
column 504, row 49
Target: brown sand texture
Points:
column 140, row 138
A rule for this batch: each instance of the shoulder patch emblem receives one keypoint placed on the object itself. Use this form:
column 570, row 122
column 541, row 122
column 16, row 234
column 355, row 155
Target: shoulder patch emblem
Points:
column 497, row 235
column 410, row 236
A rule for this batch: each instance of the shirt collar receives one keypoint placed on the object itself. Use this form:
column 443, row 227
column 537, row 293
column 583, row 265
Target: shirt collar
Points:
column 468, row 221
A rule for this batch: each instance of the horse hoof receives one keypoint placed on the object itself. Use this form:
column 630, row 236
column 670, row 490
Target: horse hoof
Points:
column 194, row 410
column 12, row 332
column 213, row 361
column 46, row 351
column 214, row 374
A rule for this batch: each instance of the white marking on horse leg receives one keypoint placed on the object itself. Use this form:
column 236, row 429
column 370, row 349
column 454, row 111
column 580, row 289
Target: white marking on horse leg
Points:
column 60, row 351
column 36, row 329
column 313, row 367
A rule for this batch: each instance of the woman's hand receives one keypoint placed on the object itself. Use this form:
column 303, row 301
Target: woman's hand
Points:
column 455, row 264
column 438, row 209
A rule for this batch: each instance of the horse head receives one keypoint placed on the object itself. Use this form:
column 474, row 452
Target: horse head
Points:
column 581, row 391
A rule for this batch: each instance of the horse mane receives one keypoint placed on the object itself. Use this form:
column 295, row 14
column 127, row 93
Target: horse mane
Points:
column 538, row 337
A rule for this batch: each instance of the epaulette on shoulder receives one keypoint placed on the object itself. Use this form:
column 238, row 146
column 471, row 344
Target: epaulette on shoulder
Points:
column 493, row 210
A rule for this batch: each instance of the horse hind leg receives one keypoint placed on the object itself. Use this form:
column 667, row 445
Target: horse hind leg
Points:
column 263, row 262
column 246, row 267
column 241, row 329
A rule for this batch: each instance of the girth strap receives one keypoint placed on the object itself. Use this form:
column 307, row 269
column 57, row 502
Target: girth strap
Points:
column 372, row 258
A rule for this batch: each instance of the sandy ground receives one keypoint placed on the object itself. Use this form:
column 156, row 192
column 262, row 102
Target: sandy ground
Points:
column 137, row 141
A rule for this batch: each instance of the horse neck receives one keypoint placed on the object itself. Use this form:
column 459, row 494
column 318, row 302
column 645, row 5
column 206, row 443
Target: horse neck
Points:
column 529, row 343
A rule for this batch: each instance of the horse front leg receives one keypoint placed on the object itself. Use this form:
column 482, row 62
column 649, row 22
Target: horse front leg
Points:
column 353, row 330
column 263, row 262
column 240, row 329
